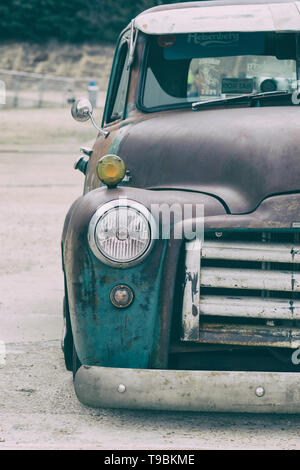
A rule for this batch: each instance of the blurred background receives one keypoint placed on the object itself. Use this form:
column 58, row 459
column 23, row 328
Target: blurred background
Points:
column 52, row 51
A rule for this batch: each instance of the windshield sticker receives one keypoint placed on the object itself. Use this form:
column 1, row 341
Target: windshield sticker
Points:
column 213, row 39
column 199, row 45
column 237, row 85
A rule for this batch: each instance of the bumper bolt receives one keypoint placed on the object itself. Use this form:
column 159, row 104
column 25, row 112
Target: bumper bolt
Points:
column 260, row 391
column 121, row 388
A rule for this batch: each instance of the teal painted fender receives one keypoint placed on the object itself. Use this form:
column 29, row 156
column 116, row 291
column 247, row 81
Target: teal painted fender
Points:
column 135, row 337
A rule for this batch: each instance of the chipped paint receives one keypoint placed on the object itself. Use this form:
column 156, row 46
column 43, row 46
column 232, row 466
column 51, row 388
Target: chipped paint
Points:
column 191, row 292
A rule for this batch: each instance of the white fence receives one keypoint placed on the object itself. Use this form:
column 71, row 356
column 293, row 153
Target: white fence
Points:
column 33, row 90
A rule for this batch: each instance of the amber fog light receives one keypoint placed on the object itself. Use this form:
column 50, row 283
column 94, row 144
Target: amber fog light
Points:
column 121, row 296
column 111, row 170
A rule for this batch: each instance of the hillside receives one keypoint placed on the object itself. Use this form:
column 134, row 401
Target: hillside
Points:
column 88, row 61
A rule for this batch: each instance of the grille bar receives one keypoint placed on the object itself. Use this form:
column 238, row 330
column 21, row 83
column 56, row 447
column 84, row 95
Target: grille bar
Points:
column 250, row 335
column 254, row 279
column 249, row 251
column 191, row 296
column 250, row 307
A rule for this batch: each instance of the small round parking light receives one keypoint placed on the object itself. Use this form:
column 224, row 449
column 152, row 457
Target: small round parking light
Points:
column 121, row 296
column 111, row 170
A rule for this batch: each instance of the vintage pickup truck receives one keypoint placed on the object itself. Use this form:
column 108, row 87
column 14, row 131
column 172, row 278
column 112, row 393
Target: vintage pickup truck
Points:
column 181, row 258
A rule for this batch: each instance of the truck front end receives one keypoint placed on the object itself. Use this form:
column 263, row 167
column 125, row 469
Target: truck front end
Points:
column 182, row 274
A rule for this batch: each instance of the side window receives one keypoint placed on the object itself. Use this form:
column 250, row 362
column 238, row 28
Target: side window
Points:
column 118, row 97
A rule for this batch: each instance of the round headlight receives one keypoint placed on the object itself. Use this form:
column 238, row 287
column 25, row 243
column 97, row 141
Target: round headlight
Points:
column 121, row 232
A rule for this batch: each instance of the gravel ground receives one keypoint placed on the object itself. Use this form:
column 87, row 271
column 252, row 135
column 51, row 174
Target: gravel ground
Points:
column 28, row 129
column 38, row 407
column 39, row 411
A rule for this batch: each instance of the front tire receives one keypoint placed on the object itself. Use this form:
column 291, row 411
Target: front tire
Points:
column 67, row 342
column 76, row 362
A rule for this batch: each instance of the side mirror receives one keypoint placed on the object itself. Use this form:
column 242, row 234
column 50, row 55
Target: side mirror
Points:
column 82, row 111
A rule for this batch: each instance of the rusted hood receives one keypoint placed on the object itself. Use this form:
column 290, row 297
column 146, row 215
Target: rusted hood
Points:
column 240, row 155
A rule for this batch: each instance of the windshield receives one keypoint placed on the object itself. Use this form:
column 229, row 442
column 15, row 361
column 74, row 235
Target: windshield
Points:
column 181, row 69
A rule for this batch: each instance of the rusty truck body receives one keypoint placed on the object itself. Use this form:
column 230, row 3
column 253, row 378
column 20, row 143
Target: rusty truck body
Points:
column 201, row 112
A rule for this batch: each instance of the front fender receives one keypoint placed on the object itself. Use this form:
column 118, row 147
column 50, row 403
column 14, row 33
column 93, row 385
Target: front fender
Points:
column 138, row 336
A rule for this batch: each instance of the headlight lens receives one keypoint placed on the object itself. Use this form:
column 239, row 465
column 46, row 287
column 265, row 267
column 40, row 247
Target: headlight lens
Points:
column 122, row 233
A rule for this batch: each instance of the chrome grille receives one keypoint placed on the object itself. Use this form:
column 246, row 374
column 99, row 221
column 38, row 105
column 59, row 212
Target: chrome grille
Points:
column 243, row 291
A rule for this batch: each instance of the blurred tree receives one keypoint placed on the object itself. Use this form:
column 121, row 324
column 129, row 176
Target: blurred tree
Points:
column 68, row 20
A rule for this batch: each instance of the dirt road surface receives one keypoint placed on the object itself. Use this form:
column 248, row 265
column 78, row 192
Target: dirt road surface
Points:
column 38, row 407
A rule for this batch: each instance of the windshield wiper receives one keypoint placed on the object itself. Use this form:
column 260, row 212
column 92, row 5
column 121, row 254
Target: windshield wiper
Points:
column 240, row 98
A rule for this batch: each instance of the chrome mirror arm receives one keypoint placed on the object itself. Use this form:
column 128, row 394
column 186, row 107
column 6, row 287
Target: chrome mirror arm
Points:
column 102, row 131
column 82, row 110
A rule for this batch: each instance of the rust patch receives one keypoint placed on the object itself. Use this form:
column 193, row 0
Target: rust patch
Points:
column 194, row 310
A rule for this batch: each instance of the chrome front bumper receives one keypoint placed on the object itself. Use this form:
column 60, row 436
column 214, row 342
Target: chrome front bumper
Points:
column 250, row 392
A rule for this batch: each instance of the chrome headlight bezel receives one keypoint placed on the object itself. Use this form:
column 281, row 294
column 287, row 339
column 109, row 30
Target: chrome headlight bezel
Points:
column 115, row 204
